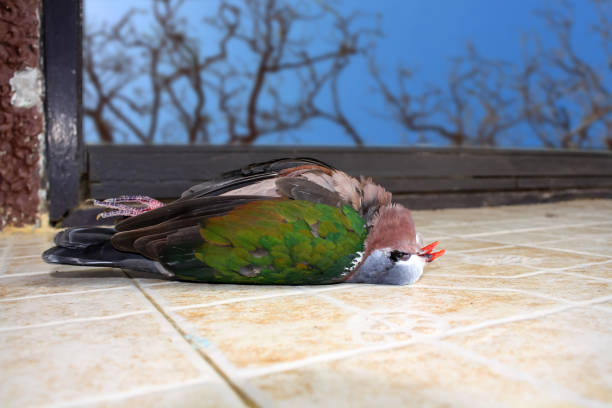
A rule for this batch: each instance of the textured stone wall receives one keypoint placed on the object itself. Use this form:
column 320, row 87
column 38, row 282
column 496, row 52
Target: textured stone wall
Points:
column 21, row 117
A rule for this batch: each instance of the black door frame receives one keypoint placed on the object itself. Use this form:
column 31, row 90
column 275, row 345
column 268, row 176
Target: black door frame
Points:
column 62, row 60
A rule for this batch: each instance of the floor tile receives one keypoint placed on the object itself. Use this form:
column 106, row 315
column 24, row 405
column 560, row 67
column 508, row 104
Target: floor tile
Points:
column 533, row 238
column 556, row 285
column 419, row 375
column 270, row 331
column 517, row 313
column 472, row 264
column 85, row 360
column 203, row 394
column 59, row 282
column 29, row 264
column 459, row 244
column 58, row 308
column 183, row 294
column 409, row 312
column 529, row 256
column 597, row 247
column 570, row 348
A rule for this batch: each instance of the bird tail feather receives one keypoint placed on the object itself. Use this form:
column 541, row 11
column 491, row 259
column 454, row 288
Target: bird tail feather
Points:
column 91, row 246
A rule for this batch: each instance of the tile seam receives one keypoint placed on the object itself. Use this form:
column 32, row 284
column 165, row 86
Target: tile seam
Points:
column 246, row 399
column 527, row 245
column 503, row 290
column 76, row 320
column 533, row 229
column 14, row 275
column 236, row 300
column 519, row 276
column 75, row 292
column 301, row 290
column 127, row 394
column 6, row 255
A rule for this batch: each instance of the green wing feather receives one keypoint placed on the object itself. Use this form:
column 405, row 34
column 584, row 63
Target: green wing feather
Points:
column 272, row 242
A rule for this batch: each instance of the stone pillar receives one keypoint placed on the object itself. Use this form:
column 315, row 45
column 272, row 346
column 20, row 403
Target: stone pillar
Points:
column 21, row 113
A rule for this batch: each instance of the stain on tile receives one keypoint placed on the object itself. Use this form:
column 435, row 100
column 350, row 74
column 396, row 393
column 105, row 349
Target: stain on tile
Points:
column 269, row 331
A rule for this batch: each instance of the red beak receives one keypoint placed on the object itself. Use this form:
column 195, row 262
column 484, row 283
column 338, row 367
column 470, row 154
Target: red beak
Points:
column 426, row 251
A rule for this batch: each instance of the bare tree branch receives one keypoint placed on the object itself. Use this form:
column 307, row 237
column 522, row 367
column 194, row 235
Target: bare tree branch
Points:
column 561, row 97
column 246, row 87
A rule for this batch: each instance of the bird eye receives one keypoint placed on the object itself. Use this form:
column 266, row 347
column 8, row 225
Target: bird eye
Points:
column 396, row 255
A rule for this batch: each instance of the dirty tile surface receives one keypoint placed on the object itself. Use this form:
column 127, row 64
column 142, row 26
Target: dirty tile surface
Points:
column 518, row 313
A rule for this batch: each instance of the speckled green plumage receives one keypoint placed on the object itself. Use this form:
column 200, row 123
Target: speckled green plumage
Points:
column 272, row 242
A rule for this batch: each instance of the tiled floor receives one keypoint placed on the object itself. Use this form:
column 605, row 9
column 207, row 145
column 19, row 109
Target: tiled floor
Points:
column 518, row 313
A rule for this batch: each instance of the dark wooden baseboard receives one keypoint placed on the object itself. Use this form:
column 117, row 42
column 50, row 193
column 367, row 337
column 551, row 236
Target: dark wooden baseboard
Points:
column 420, row 178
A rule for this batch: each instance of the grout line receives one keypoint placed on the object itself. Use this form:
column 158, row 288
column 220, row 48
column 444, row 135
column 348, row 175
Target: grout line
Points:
column 467, row 251
column 527, row 245
column 76, row 292
column 560, row 271
column 334, row 356
column 148, row 285
column 565, row 268
column 503, row 290
column 529, row 316
column 26, row 256
column 301, row 290
column 532, row 229
column 127, row 394
column 236, row 300
column 570, row 251
column 517, row 374
column 586, row 276
column 339, row 303
column 6, row 254
column 329, row 288
column 13, row 275
column 459, row 275
column 76, row 320
column 241, row 394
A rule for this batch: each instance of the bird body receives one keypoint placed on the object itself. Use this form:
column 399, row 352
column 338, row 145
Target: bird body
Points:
column 273, row 242
column 288, row 221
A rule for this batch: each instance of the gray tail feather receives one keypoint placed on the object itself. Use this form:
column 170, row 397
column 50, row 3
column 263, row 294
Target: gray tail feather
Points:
column 92, row 247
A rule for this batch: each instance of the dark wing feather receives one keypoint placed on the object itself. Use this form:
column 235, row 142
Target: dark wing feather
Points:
column 245, row 176
column 303, row 189
column 82, row 237
column 204, row 206
column 177, row 222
